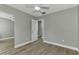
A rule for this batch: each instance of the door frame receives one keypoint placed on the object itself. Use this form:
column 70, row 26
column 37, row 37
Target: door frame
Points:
column 32, row 31
column 43, row 30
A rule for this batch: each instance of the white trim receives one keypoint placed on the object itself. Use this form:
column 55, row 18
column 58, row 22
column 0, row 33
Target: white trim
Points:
column 69, row 47
column 34, row 34
column 6, row 15
column 22, row 44
column 6, row 38
column 78, row 50
column 34, row 40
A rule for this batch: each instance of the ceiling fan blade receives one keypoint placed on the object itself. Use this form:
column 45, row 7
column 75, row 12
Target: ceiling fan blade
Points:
column 39, row 12
column 35, row 11
column 44, row 7
column 29, row 6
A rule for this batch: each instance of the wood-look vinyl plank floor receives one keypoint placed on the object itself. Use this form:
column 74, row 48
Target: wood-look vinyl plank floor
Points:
column 35, row 48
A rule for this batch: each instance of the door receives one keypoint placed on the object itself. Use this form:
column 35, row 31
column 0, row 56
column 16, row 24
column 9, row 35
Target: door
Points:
column 34, row 30
column 41, row 32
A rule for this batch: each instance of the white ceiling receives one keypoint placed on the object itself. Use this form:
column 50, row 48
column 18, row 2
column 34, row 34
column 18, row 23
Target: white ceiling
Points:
column 53, row 8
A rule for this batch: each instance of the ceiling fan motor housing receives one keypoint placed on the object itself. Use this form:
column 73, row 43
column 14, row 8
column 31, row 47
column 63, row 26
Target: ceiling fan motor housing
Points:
column 43, row 12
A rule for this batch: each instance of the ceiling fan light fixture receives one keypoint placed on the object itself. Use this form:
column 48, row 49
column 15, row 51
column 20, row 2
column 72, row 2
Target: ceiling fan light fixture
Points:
column 37, row 8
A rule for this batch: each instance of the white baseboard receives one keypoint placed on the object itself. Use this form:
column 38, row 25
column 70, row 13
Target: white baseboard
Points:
column 69, row 47
column 6, row 38
column 22, row 44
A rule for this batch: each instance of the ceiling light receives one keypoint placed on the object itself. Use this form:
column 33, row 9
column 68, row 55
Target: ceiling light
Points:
column 37, row 8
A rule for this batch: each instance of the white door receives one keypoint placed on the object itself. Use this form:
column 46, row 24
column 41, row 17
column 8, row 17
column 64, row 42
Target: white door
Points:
column 34, row 30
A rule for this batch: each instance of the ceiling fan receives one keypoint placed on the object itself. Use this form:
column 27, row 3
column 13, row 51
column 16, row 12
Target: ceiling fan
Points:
column 39, row 8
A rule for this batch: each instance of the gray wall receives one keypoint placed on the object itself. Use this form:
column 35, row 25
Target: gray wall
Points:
column 6, row 28
column 58, row 26
column 22, row 24
column 61, row 27
column 78, row 27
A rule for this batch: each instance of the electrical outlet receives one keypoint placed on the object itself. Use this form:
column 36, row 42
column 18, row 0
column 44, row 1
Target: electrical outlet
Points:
column 62, row 40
